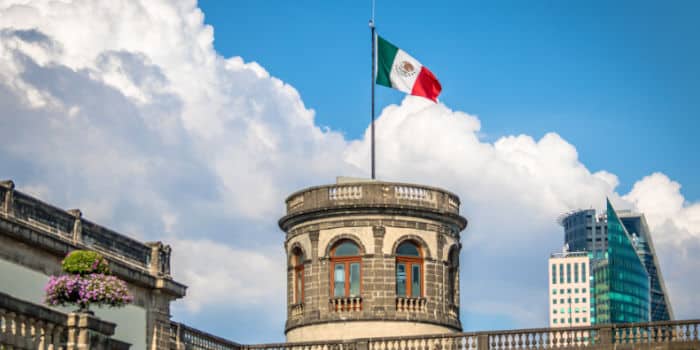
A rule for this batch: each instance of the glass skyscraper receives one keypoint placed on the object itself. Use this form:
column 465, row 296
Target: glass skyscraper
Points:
column 636, row 226
column 622, row 259
column 621, row 285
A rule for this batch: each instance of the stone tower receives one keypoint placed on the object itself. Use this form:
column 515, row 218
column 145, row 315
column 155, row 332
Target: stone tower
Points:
column 371, row 259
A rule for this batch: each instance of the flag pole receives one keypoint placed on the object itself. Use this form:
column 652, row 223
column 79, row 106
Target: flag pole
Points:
column 374, row 68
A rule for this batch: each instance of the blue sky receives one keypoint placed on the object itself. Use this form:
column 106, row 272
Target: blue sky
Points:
column 157, row 123
column 618, row 79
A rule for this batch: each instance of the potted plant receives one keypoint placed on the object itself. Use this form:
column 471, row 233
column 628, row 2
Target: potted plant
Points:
column 86, row 280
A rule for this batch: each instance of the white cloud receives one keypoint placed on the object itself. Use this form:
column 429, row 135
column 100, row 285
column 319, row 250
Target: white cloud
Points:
column 675, row 225
column 219, row 274
column 140, row 123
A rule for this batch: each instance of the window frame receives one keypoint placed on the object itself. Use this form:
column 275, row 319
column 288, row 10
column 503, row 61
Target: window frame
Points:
column 346, row 261
column 409, row 261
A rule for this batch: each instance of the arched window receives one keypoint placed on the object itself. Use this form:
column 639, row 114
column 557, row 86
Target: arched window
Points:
column 409, row 270
column 298, row 261
column 345, row 269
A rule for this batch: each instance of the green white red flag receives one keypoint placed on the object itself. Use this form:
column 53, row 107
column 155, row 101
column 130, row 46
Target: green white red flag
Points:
column 397, row 69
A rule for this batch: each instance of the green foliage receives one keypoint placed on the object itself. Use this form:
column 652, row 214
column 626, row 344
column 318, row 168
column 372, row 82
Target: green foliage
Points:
column 83, row 262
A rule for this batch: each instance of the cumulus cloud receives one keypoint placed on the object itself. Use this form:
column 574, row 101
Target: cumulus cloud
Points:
column 143, row 125
column 209, row 266
column 675, row 223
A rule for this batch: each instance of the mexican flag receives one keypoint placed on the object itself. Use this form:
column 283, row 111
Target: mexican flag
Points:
column 397, row 69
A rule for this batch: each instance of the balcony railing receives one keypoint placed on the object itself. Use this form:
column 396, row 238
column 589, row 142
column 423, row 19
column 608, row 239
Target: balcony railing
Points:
column 411, row 304
column 28, row 326
column 25, row 325
column 297, row 310
column 183, row 337
column 643, row 336
column 345, row 304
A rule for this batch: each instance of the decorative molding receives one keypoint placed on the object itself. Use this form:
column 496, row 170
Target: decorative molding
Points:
column 341, row 237
column 313, row 236
column 416, row 238
column 346, row 212
column 440, row 229
column 378, row 231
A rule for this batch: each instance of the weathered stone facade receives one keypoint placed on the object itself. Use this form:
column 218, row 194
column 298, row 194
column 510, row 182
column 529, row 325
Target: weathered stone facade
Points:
column 36, row 236
column 377, row 217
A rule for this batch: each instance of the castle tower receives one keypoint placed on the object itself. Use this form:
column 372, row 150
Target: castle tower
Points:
column 371, row 259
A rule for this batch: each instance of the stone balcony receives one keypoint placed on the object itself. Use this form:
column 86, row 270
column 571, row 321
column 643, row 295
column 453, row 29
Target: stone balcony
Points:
column 372, row 197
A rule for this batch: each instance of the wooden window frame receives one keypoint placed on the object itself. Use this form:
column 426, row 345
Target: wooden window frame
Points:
column 346, row 261
column 408, row 260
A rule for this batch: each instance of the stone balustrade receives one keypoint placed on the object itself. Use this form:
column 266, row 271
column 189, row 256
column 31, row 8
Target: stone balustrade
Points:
column 25, row 325
column 667, row 335
column 28, row 326
column 413, row 193
column 344, row 192
column 453, row 310
column 411, row 304
column 297, row 310
column 345, row 304
column 183, row 337
column 375, row 192
column 657, row 332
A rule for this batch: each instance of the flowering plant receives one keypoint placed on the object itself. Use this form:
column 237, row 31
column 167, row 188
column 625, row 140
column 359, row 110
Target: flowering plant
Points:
column 85, row 290
column 87, row 282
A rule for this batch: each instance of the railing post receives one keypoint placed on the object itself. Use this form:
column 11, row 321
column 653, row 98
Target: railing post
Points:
column 7, row 202
column 362, row 344
column 605, row 335
column 482, row 342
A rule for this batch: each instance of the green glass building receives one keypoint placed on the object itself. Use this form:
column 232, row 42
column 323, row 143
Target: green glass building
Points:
column 621, row 283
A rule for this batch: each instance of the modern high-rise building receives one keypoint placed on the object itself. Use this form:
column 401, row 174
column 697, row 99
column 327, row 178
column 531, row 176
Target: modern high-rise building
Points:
column 609, row 239
column 621, row 283
column 585, row 231
column 636, row 226
column 569, row 289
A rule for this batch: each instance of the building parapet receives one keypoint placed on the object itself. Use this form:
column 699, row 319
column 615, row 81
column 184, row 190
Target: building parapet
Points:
column 60, row 231
column 372, row 195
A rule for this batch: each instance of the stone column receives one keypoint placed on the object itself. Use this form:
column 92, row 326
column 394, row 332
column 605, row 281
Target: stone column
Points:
column 378, row 232
column 155, row 257
column 314, row 279
column 313, row 236
column 379, row 292
column 87, row 332
column 158, row 320
column 77, row 225
column 7, row 205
